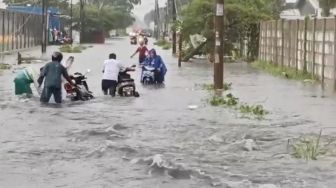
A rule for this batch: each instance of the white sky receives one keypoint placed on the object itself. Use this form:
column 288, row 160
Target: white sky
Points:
column 2, row 5
column 145, row 7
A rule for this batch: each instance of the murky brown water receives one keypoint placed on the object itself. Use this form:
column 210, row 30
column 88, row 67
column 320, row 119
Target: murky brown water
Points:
column 156, row 141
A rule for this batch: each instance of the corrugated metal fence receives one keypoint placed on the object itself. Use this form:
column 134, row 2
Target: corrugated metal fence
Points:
column 301, row 44
column 19, row 31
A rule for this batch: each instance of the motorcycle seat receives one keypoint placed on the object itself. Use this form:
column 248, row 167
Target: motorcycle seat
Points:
column 127, row 80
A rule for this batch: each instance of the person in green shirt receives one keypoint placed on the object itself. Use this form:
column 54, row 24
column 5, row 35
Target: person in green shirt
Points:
column 22, row 82
column 52, row 75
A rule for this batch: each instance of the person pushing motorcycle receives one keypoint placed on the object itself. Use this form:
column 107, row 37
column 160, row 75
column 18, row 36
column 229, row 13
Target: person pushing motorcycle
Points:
column 52, row 75
column 111, row 69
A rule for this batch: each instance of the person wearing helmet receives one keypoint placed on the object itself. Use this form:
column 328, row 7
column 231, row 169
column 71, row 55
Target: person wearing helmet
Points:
column 52, row 75
column 22, row 82
column 142, row 50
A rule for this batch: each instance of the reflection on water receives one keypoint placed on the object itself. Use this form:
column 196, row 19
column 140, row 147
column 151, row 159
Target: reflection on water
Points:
column 156, row 140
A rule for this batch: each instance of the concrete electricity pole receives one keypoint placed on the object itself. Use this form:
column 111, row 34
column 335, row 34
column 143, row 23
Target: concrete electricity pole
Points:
column 219, row 45
column 81, row 15
column 174, row 29
column 157, row 19
column 44, row 27
column 71, row 19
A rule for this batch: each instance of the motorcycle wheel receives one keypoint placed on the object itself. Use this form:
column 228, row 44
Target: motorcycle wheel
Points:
column 136, row 94
column 147, row 81
column 79, row 95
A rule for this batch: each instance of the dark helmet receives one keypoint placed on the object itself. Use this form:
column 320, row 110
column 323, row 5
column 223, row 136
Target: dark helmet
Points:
column 57, row 56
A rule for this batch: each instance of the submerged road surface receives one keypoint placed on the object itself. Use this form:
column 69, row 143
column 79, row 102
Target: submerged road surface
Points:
column 156, row 141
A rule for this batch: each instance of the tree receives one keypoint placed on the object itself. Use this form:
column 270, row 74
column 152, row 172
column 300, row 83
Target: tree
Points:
column 326, row 5
column 103, row 15
column 242, row 18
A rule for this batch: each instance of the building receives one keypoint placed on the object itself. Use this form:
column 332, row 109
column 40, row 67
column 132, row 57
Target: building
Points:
column 298, row 9
column 54, row 14
column 2, row 5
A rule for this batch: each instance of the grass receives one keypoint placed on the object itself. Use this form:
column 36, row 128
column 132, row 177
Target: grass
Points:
column 166, row 45
column 211, row 87
column 289, row 73
column 72, row 49
column 4, row 66
column 309, row 148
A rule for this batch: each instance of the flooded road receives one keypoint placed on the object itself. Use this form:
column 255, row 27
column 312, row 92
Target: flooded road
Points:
column 155, row 141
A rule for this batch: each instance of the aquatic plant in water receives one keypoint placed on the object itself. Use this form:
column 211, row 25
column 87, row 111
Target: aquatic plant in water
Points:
column 4, row 66
column 231, row 101
column 309, row 148
column 257, row 110
column 211, row 87
column 72, row 49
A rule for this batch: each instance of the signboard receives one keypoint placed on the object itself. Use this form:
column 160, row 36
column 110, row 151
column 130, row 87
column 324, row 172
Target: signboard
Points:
column 220, row 10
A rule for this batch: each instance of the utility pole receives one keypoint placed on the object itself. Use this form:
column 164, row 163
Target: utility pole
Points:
column 174, row 28
column 81, row 20
column 157, row 19
column 166, row 18
column 219, row 45
column 44, row 26
column 71, row 19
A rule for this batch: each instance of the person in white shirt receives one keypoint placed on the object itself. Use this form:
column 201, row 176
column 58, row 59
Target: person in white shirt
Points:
column 111, row 69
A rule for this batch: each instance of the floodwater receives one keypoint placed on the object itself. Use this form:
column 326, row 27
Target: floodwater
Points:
column 156, row 141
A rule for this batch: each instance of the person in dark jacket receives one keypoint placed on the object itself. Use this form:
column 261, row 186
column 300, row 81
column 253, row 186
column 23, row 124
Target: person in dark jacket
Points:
column 52, row 75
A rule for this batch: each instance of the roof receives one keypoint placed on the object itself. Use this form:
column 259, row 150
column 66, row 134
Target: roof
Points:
column 291, row 14
column 291, row 1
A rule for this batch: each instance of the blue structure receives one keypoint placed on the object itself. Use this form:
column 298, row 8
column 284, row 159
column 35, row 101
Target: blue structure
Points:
column 54, row 14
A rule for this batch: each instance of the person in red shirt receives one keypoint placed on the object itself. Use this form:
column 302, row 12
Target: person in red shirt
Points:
column 142, row 50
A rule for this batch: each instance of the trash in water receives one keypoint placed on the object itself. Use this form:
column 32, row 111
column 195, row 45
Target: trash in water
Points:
column 192, row 107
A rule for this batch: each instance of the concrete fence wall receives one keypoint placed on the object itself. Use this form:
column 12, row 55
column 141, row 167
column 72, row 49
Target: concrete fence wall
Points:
column 19, row 31
column 292, row 43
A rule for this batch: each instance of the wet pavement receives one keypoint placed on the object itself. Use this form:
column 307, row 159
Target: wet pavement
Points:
column 156, row 141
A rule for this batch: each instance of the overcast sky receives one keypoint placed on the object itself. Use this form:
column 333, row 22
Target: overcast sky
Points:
column 145, row 7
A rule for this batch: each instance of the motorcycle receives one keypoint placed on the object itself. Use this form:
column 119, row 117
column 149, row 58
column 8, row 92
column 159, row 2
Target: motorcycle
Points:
column 81, row 90
column 148, row 75
column 126, row 85
column 134, row 40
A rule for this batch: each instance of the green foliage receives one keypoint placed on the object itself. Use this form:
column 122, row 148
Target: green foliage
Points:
column 257, row 110
column 166, row 45
column 229, row 100
column 72, row 49
column 104, row 19
column 241, row 22
column 217, row 101
column 309, row 148
column 286, row 72
column 211, row 87
column 5, row 66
